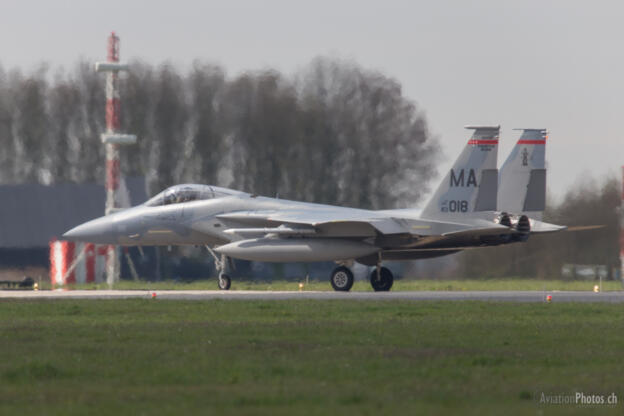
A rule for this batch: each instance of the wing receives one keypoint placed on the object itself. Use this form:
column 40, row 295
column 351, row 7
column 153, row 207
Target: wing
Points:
column 278, row 236
column 339, row 234
column 334, row 223
column 351, row 223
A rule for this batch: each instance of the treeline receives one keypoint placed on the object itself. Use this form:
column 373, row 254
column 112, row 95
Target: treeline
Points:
column 542, row 256
column 332, row 133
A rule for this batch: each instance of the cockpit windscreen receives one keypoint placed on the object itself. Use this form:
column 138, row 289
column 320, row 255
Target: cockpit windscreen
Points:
column 186, row 193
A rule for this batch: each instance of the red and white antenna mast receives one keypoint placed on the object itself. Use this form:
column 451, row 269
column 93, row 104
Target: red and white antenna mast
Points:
column 112, row 139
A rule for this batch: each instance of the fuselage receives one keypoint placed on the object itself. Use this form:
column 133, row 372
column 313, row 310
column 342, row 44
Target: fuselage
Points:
column 198, row 222
column 338, row 232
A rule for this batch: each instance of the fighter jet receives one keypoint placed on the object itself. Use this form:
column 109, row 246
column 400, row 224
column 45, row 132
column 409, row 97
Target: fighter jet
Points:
column 231, row 224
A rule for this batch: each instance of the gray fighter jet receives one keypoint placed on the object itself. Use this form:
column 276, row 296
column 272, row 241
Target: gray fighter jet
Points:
column 232, row 224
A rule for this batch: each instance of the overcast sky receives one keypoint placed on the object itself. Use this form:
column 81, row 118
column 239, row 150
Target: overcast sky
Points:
column 552, row 64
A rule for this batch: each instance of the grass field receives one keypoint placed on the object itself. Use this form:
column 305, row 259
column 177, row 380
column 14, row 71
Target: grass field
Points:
column 306, row 357
column 489, row 284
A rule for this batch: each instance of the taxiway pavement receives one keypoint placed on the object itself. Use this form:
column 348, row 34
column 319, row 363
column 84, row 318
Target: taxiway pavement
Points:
column 492, row 296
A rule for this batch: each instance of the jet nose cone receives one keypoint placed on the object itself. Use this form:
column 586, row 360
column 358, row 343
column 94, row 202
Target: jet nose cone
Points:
column 99, row 230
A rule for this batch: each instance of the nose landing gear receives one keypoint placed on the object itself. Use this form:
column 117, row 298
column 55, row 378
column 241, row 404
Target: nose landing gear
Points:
column 224, row 282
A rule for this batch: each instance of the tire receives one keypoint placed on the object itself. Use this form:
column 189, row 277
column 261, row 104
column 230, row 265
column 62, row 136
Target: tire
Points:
column 342, row 279
column 224, row 282
column 385, row 281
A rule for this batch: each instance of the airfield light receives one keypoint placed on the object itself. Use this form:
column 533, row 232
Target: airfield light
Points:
column 112, row 139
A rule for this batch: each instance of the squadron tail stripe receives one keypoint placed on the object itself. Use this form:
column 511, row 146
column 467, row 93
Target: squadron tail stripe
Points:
column 483, row 141
column 532, row 141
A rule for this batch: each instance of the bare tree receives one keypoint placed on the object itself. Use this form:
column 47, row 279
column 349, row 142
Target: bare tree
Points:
column 372, row 141
column 64, row 105
column 29, row 125
column 333, row 133
column 206, row 144
column 7, row 156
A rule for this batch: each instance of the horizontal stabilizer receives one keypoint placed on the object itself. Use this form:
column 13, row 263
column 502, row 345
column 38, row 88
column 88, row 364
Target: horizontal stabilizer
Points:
column 494, row 229
column 448, row 250
column 540, row 227
column 585, row 227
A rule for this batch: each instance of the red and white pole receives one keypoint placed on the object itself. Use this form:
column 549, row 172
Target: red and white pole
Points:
column 112, row 124
column 112, row 139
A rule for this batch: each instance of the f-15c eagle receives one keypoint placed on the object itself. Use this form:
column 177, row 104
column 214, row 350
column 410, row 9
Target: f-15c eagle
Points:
column 466, row 211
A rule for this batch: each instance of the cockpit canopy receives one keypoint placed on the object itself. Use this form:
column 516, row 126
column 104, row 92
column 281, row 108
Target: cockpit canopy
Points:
column 189, row 192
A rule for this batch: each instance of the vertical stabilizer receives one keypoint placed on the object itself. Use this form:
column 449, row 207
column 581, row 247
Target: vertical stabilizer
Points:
column 522, row 179
column 471, row 184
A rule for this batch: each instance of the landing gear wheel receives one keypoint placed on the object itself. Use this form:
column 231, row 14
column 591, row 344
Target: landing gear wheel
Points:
column 342, row 279
column 383, row 282
column 224, row 282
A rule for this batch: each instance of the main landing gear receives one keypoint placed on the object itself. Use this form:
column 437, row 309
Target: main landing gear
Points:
column 224, row 282
column 381, row 279
column 342, row 279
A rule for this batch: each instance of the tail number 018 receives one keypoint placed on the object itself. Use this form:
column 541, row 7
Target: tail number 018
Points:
column 458, row 206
